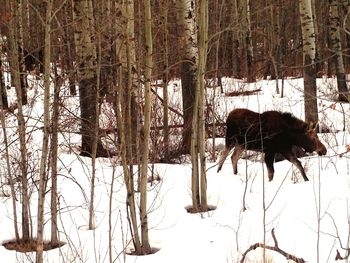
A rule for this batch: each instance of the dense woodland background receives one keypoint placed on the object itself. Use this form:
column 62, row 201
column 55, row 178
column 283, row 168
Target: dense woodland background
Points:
column 124, row 53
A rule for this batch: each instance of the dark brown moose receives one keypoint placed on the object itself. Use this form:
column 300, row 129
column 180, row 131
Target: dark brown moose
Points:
column 270, row 132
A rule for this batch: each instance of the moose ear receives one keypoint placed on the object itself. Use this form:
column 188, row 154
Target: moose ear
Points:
column 312, row 125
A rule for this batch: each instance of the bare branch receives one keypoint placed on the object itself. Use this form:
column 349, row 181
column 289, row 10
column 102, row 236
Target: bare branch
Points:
column 273, row 248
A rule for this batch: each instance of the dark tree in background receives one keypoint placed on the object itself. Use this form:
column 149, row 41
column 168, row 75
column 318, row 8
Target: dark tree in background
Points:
column 87, row 76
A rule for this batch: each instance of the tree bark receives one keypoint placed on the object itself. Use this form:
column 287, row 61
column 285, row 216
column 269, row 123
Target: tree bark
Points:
column 128, row 176
column 202, row 60
column 87, row 60
column 126, row 55
column 22, row 66
column 246, row 38
column 309, row 66
column 336, row 45
column 146, row 249
column 15, row 74
column 46, row 132
column 3, row 94
column 166, row 130
column 187, row 23
column 54, row 157
column 8, row 165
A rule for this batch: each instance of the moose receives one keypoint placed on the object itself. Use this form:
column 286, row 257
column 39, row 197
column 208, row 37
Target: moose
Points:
column 270, row 132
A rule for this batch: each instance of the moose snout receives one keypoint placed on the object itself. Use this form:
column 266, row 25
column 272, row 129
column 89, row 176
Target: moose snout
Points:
column 322, row 151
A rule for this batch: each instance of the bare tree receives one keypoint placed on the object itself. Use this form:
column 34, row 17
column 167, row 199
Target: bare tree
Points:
column 87, row 63
column 202, row 61
column 8, row 167
column 128, row 176
column 187, row 23
column 46, row 133
column 199, row 180
column 246, row 37
column 309, row 65
column 336, row 45
column 166, row 80
column 54, row 157
column 126, row 57
column 146, row 249
column 15, row 73
column 3, row 94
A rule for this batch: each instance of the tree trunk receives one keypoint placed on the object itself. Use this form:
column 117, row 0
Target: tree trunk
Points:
column 128, row 176
column 54, row 157
column 309, row 66
column 15, row 74
column 103, row 27
column 126, row 55
column 202, row 60
column 8, row 165
column 187, row 23
column 246, row 39
column 336, row 46
column 237, row 70
column 87, row 60
column 68, row 52
column 146, row 249
column 22, row 66
column 3, row 94
column 46, row 132
column 166, row 130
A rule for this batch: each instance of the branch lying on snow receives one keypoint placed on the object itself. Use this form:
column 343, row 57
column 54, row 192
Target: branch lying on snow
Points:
column 339, row 257
column 242, row 93
column 273, row 248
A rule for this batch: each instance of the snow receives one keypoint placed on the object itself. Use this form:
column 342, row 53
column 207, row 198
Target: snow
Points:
column 311, row 219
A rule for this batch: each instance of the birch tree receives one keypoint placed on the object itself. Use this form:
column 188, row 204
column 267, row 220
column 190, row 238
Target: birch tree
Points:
column 15, row 73
column 8, row 165
column 246, row 38
column 124, row 81
column 336, row 46
column 166, row 81
column 200, row 89
column 189, row 45
column 197, row 149
column 146, row 249
column 53, row 159
column 128, row 176
column 87, row 62
column 23, row 74
column 309, row 54
column 45, row 143
column 126, row 56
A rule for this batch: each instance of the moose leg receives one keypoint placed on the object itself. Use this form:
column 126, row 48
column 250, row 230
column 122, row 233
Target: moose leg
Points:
column 294, row 160
column 223, row 156
column 269, row 159
column 235, row 157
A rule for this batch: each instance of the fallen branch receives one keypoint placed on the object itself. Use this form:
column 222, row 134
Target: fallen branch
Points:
column 242, row 93
column 273, row 248
column 339, row 257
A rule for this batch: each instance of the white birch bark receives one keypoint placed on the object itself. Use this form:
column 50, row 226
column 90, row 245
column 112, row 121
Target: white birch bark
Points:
column 46, row 132
column 146, row 249
column 189, row 45
column 309, row 55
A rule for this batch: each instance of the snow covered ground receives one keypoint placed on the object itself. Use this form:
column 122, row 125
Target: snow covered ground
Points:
column 310, row 219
